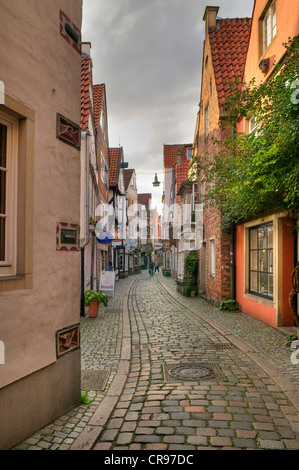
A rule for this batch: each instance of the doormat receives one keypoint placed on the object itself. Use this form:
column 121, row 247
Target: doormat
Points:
column 192, row 372
column 94, row 379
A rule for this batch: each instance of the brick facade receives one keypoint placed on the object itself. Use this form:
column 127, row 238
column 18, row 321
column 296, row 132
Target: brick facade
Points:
column 219, row 65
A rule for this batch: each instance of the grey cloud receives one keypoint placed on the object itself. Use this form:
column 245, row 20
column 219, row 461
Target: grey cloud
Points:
column 149, row 54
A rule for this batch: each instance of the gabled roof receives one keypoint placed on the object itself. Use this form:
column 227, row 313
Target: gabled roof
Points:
column 229, row 43
column 86, row 79
column 98, row 93
column 114, row 165
column 127, row 177
column 144, row 199
column 170, row 154
column 181, row 174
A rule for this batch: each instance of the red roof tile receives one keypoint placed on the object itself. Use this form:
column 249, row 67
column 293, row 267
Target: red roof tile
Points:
column 144, row 199
column 85, row 91
column 98, row 93
column 170, row 154
column 229, row 42
column 114, row 165
column 181, row 173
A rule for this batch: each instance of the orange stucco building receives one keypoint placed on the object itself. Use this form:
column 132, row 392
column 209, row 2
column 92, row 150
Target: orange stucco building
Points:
column 267, row 248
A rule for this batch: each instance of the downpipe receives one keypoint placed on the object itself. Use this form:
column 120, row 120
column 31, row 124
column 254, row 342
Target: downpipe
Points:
column 86, row 224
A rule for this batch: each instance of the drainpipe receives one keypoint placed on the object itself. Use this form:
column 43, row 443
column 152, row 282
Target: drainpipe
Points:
column 86, row 221
column 232, row 262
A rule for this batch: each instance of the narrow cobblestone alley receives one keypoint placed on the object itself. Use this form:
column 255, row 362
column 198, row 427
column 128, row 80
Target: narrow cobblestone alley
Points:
column 181, row 375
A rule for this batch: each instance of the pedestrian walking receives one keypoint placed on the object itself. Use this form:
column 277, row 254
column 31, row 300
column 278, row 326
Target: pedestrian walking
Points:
column 151, row 268
column 157, row 267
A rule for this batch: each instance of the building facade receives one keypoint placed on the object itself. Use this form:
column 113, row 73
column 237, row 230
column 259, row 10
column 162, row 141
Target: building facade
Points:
column 267, row 248
column 176, row 160
column 132, row 238
column 40, row 214
column 224, row 54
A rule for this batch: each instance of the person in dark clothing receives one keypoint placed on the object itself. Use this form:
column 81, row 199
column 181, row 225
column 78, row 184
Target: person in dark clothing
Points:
column 151, row 268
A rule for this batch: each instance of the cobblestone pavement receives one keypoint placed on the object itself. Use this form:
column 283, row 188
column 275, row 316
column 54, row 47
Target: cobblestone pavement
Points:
column 182, row 376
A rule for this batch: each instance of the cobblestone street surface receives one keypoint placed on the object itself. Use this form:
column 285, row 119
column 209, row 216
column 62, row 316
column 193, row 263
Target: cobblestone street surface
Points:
column 180, row 375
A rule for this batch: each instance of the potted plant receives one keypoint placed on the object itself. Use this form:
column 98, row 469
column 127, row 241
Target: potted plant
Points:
column 191, row 290
column 92, row 299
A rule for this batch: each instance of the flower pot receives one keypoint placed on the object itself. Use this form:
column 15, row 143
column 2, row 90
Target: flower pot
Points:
column 93, row 308
column 192, row 293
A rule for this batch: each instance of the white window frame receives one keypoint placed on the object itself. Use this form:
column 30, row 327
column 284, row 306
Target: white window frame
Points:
column 269, row 25
column 212, row 257
column 8, row 266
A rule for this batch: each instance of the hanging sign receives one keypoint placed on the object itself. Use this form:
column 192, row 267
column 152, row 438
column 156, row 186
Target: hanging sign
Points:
column 101, row 235
column 157, row 246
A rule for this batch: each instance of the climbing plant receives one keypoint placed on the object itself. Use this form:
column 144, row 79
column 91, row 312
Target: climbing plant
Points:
column 191, row 263
column 257, row 173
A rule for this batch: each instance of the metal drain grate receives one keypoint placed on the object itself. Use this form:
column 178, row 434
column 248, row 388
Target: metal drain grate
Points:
column 192, row 372
column 222, row 346
column 94, row 379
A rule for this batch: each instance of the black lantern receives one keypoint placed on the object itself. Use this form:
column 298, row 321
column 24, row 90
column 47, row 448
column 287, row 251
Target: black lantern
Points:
column 156, row 182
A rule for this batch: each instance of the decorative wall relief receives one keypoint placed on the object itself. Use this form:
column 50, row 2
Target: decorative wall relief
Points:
column 67, row 237
column 70, row 32
column 68, row 131
column 67, row 339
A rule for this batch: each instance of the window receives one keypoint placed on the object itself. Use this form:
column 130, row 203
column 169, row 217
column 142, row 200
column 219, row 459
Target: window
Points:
column 269, row 25
column 8, row 194
column 189, row 152
column 121, row 262
column 261, row 260
column 104, row 171
column 212, row 258
column 207, row 121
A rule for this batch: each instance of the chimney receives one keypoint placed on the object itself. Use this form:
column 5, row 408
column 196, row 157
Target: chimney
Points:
column 85, row 48
column 209, row 17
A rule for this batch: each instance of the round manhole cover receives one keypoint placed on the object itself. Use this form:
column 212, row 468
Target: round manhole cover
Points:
column 192, row 372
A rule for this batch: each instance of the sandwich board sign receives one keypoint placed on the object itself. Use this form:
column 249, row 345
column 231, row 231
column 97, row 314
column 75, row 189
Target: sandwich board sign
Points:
column 107, row 281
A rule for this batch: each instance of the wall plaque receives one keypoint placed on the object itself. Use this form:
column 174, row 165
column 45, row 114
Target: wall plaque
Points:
column 67, row 339
column 70, row 32
column 68, row 131
column 67, row 237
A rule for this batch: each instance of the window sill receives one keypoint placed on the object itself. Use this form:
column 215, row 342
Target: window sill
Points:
column 15, row 282
column 259, row 300
column 13, row 277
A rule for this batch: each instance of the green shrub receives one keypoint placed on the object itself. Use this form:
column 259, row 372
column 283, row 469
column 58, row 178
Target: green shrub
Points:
column 191, row 262
column 190, row 288
column 228, row 305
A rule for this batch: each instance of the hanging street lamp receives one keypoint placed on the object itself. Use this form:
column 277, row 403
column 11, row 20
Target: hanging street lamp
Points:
column 156, row 182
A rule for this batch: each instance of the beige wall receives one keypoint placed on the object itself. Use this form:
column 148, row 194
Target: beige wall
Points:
column 41, row 73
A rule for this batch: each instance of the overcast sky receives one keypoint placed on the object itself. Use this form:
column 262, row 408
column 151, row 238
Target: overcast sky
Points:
column 149, row 55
